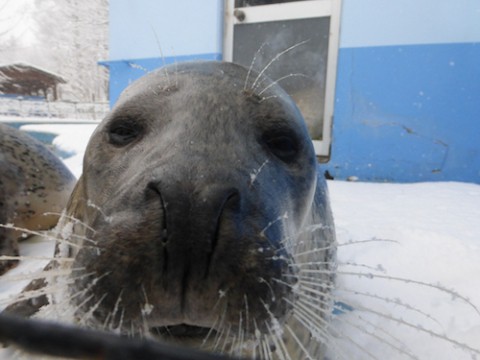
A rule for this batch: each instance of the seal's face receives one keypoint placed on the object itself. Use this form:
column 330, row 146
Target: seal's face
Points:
column 194, row 191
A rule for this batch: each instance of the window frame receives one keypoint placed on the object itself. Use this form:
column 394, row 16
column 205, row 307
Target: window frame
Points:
column 294, row 11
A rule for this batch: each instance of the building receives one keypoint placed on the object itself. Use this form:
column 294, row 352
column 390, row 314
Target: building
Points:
column 401, row 96
column 27, row 80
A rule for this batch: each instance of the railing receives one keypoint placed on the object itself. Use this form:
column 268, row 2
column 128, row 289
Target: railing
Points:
column 34, row 108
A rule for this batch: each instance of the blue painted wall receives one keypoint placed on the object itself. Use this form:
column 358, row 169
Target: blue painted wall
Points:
column 142, row 29
column 408, row 91
column 408, row 113
column 367, row 23
column 408, row 85
column 146, row 34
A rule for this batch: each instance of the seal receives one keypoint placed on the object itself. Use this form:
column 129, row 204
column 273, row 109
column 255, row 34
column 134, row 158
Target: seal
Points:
column 202, row 219
column 200, row 208
column 34, row 188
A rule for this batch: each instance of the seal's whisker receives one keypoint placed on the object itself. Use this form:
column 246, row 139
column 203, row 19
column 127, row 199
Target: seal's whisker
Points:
column 92, row 205
column 310, row 251
column 378, row 267
column 280, row 344
column 41, row 274
column 71, row 218
column 265, row 351
column 317, row 328
column 254, row 85
column 59, row 298
column 323, row 336
column 313, row 264
column 232, row 345
column 237, row 347
column 217, row 324
column 145, row 310
column 82, row 292
column 299, row 342
column 276, row 335
column 251, row 65
column 397, row 344
column 31, row 257
column 260, row 349
column 452, row 293
column 270, row 223
column 321, row 289
column 220, row 328
column 247, row 319
column 390, row 317
column 316, row 264
column 217, row 340
column 121, row 321
column 226, row 338
column 132, row 332
column 137, row 66
column 421, row 329
column 374, row 239
column 47, row 288
column 87, row 316
column 256, row 345
column 276, row 330
column 315, row 227
column 358, row 346
column 318, row 288
column 109, row 320
column 91, row 243
column 256, row 172
column 263, row 281
column 280, row 79
column 67, row 241
column 175, row 63
column 41, row 234
column 157, row 40
column 148, row 307
column 268, row 98
column 301, row 273
column 306, row 285
column 29, row 295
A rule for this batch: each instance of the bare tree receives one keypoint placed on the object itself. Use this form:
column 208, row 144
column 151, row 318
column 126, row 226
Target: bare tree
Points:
column 76, row 31
column 67, row 37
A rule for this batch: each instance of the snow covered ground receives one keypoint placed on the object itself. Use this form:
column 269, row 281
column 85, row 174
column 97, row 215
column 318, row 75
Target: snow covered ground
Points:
column 428, row 233
column 409, row 264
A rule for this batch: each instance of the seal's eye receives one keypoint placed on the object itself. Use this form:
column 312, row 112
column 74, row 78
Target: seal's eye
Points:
column 283, row 145
column 122, row 133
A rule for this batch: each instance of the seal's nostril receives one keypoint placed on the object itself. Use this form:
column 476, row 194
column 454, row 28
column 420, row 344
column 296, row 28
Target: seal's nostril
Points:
column 154, row 192
column 228, row 210
column 164, row 232
column 233, row 200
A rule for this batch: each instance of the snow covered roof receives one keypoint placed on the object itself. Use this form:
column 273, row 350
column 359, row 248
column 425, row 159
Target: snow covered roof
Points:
column 26, row 69
column 24, row 79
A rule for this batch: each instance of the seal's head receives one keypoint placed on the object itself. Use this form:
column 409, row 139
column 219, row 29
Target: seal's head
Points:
column 194, row 201
column 34, row 188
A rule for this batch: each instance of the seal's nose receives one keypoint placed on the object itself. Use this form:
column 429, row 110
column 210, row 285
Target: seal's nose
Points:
column 192, row 223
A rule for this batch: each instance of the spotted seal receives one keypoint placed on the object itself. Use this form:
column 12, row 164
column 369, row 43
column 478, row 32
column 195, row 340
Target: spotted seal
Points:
column 200, row 206
column 34, row 189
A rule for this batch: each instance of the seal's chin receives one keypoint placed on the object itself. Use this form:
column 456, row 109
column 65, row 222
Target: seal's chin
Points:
column 183, row 334
column 182, row 331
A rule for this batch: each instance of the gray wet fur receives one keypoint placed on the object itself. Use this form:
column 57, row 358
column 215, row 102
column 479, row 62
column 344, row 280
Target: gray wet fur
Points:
column 198, row 200
column 33, row 181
